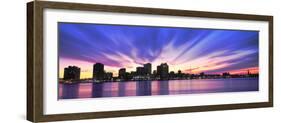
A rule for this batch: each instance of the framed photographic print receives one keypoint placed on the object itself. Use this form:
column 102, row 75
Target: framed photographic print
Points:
column 96, row 61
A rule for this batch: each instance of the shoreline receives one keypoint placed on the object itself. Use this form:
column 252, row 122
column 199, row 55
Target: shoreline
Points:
column 91, row 81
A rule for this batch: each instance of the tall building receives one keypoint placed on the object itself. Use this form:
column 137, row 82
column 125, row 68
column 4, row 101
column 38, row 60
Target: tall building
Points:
column 122, row 73
column 147, row 68
column 140, row 71
column 158, row 70
column 71, row 73
column 98, row 71
column 163, row 71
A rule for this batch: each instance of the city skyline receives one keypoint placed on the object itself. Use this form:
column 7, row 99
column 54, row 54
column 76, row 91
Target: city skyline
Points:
column 189, row 50
column 146, row 73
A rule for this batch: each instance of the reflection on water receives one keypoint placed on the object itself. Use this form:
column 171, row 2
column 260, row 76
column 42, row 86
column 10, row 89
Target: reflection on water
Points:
column 145, row 88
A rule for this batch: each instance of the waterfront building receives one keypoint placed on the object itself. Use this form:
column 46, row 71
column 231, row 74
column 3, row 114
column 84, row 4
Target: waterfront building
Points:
column 147, row 68
column 140, row 71
column 71, row 73
column 98, row 71
column 122, row 73
column 163, row 71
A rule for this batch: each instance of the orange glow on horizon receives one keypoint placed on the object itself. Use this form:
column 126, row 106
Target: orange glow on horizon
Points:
column 252, row 70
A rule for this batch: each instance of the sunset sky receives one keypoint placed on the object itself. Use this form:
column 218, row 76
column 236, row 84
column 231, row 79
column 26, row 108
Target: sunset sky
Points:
column 187, row 49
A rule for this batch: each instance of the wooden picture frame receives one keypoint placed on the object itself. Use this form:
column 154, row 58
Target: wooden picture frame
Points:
column 35, row 62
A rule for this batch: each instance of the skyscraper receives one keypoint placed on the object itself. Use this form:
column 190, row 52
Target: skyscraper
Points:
column 98, row 71
column 122, row 73
column 163, row 71
column 147, row 68
column 158, row 70
column 140, row 71
column 71, row 73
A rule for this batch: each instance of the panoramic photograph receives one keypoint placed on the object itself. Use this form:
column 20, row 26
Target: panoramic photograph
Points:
column 105, row 60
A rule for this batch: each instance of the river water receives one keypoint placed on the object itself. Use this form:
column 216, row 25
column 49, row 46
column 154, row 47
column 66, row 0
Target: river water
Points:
column 147, row 88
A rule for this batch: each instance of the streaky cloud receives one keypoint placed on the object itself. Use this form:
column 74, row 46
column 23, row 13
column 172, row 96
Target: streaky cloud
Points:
column 116, row 46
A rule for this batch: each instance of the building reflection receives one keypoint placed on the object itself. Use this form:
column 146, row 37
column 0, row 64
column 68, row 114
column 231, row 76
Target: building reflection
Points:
column 97, row 90
column 110, row 89
column 130, row 88
column 85, row 90
column 163, row 87
column 147, row 88
column 143, row 88
column 70, row 91
column 122, row 89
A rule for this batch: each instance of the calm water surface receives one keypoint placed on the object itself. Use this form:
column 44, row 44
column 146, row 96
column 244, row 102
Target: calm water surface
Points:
column 146, row 88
